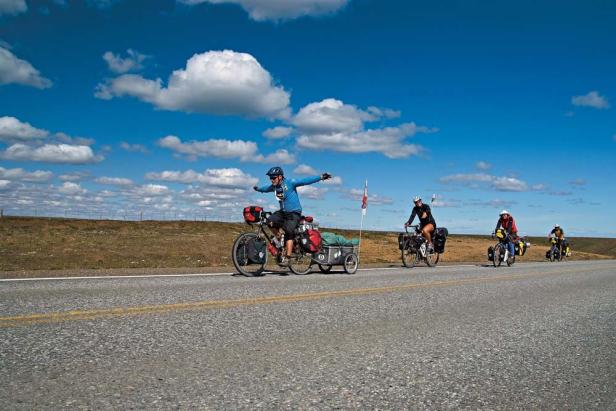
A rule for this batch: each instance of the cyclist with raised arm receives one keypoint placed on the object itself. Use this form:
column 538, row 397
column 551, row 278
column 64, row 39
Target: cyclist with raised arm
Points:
column 427, row 224
column 287, row 218
column 507, row 223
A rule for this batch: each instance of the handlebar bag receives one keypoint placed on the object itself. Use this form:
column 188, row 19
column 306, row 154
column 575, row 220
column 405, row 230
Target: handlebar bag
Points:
column 252, row 214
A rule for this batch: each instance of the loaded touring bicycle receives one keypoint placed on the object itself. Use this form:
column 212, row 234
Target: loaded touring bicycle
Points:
column 251, row 250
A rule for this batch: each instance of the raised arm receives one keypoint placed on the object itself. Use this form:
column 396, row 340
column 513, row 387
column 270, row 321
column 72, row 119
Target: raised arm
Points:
column 264, row 189
column 412, row 217
column 306, row 181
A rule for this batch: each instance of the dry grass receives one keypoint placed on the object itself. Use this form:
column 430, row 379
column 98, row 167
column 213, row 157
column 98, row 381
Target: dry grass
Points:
column 56, row 244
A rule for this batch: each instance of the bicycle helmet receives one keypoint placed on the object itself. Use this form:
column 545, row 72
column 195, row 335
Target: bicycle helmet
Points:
column 274, row 171
column 556, row 226
column 416, row 199
column 504, row 212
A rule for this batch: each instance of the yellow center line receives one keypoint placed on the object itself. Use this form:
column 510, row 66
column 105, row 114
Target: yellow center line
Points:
column 43, row 318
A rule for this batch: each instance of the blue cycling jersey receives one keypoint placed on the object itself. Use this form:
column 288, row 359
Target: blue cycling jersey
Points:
column 286, row 192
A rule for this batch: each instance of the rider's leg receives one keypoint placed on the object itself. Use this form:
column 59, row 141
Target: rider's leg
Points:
column 289, row 226
column 511, row 248
column 427, row 231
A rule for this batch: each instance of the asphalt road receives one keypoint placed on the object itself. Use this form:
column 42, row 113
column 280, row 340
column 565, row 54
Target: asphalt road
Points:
column 533, row 336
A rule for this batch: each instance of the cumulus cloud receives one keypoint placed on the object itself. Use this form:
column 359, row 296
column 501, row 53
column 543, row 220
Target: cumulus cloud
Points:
column 591, row 99
column 134, row 148
column 19, row 174
column 12, row 129
column 495, row 182
column 277, row 133
column 114, row 181
column 274, row 10
column 71, row 189
column 312, row 192
column 74, row 176
column 151, row 190
column 373, row 199
column 51, row 153
column 222, row 177
column 118, row 64
column 306, row 170
column 13, row 7
column 17, row 71
column 216, row 82
column 5, row 184
column 246, row 151
column 482, row 165
column 333, row 125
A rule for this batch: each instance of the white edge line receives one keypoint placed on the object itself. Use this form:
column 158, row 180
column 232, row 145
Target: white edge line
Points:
column 104, row 277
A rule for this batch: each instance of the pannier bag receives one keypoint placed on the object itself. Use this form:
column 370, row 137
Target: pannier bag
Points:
column 255, row 250
column 311, row 241
column 520, row 247
column 252, row 214
column 440, row 237
column 547, row 254
column 490, row 253
column 403, row 239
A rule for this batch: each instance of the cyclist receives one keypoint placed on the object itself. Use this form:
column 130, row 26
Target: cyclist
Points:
column 507, row 222
column 427, row 224
column 286, row 219
column 559, row 233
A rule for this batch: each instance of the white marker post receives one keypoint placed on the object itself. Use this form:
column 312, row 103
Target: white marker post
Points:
column 364, row 206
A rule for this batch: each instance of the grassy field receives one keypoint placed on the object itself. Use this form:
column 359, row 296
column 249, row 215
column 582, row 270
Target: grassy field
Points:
column 58, row 244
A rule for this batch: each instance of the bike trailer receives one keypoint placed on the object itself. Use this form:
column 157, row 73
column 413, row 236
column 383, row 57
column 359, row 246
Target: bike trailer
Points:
column 334, row 254
column 252, row 214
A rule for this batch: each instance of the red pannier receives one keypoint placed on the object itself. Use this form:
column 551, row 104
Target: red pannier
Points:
column 311, row 241
column 252, row 214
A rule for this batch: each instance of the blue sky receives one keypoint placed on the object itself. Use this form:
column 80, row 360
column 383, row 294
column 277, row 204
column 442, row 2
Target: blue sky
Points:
column 176, row 108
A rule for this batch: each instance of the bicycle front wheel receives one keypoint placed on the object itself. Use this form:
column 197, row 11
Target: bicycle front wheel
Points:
column 496, row 257
column 241, row 261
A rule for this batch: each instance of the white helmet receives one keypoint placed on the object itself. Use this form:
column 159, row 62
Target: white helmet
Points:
column 504, row 212
column 556, row 226
column 416, row 199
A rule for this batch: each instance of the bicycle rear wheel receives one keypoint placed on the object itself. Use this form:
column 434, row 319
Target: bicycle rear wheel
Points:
column 239, row 256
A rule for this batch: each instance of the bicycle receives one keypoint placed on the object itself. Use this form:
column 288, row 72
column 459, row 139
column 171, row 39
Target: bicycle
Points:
column 557, row 250
column 414, row 249
column 251, row 250
column 500, row 253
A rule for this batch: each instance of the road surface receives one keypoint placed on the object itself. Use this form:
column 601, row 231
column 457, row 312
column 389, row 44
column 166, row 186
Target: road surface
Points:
column 533, row 336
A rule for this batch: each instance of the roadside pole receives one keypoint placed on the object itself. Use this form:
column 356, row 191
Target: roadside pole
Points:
column 364, row 206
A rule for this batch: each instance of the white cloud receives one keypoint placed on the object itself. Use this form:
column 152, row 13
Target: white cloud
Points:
column 115, row 181
column 13, row 7
column 312, row 192
column 13, row 129
column 332, row 125
column 134, row 148
column 495, row 182
column 17, row 71
column 19, row 174
column 215, row 82
column 334, row 181
column 591, row 99
column 373, row 199
column 388, row 141
column 223, row 177
column 5, row 184
column 306, row 170
column 75, row 176
column 71, row 189
column 51, row 153
column 509, row 184
column 277, row 133
column 118, row 64
column 246, row 151
column 578, row 182
column 261, row 10
column 79, row 141
column 482, row 165
column 151, row 190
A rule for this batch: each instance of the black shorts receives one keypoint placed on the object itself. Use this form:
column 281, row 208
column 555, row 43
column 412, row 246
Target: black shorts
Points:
column 287, row 221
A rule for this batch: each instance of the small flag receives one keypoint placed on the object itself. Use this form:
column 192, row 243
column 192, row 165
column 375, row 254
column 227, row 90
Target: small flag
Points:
column 364, row 199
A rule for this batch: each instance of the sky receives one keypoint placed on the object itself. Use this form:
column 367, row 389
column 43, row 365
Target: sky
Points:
column 174, row 109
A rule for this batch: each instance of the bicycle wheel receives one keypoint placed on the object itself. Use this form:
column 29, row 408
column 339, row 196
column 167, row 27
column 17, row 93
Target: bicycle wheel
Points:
column 432, row 259
column 552, row 255
column 409, row 258
column 325, row 268
column 351, row 262
column 496, row 257
column 511, row 260
column 239, row 256
column 301, row 265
